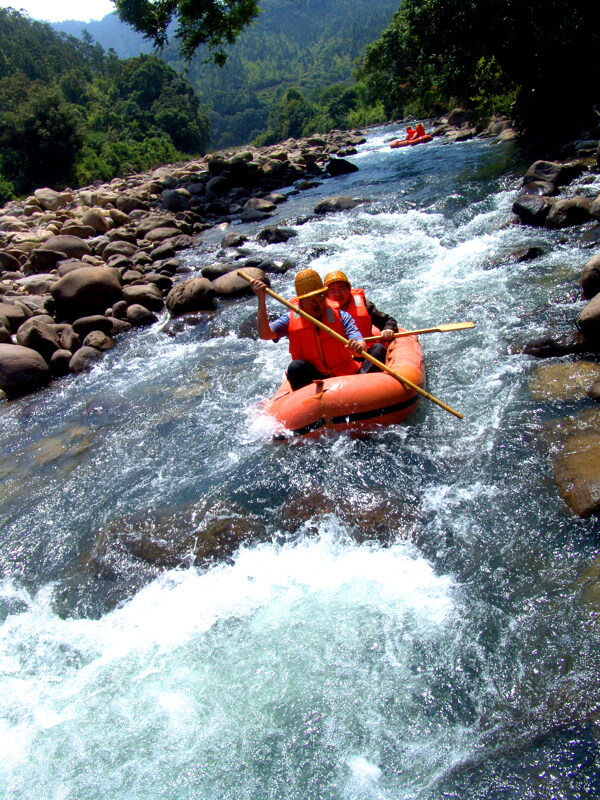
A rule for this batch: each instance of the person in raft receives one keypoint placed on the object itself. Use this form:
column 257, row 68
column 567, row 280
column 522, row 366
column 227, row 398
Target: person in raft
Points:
column 315, row 353
column 419, row 131
column 341, row 295
column 410, row 134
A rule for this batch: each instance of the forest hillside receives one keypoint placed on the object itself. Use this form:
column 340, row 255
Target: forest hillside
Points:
column 308, row 46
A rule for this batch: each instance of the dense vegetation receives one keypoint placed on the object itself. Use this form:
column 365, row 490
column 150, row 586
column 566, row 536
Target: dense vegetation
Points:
column 536, row 61
column 71, row 113
column 307, row 46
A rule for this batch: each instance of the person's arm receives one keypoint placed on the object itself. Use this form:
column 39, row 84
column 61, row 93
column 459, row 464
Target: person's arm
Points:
column 356, row 344
column 265, row 331
column 386, row 324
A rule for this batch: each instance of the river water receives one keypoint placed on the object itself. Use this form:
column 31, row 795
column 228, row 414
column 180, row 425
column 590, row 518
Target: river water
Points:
column 405, row 619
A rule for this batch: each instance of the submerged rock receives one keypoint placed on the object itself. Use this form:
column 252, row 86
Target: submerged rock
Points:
column 564, row 382
column 194, row 534
column 339, row 203
column 575, row 451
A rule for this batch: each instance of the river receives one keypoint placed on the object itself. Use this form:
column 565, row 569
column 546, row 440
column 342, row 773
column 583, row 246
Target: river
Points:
column 404, row 620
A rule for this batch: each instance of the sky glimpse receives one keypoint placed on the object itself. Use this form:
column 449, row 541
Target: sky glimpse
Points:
column 61, row 10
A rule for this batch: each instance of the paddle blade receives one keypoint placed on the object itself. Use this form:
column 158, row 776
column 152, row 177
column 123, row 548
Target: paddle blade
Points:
column 455, row 326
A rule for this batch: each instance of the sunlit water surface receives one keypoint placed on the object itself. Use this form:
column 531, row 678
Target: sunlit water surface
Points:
column 407, row 625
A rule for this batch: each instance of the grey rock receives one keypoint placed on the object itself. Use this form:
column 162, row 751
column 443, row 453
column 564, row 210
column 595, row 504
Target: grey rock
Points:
column 22, row 370
column 84, row 360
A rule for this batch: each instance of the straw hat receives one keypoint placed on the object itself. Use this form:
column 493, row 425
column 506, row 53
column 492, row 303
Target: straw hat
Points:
column 308, row 283
column 336, row 275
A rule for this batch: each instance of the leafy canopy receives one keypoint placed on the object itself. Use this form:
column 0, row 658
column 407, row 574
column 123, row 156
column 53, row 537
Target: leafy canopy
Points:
column 542, row 54
column 211, row 22
column 69, row 112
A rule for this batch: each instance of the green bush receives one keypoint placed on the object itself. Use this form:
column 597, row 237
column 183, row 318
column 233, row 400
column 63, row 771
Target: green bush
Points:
column 7, row 191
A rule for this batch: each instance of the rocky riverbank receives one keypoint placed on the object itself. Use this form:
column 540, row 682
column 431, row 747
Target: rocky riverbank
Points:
column 554, row 195
column 79, row 267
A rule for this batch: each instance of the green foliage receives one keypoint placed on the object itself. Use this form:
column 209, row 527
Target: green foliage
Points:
column 214, row 23
column 306, row 44
column 495, row 55
column 337, row 106
column 70, row 112
column 40, row 141
column 289, row 117
column 7, row 191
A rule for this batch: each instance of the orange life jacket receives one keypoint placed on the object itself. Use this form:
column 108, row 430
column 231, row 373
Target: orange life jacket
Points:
column 309, row 343
column 357, row 308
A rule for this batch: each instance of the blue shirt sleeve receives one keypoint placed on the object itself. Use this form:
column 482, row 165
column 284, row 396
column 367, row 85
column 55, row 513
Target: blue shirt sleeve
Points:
column 350, row 328
column 280, row 326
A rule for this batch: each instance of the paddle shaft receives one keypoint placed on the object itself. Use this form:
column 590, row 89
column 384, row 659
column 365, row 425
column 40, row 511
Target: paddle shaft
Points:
column 451, row 326
column 343, row 340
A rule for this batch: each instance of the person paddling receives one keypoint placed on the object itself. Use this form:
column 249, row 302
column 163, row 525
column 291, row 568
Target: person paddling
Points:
column 340, row 294
column 315, row 353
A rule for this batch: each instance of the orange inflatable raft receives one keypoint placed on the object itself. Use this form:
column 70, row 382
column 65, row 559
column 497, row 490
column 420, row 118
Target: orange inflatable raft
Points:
column 410, row 142
column 355, row 403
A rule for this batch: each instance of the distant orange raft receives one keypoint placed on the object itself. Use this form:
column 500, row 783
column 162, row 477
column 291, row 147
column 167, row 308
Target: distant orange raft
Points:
column 410, row 142
column 354, row 403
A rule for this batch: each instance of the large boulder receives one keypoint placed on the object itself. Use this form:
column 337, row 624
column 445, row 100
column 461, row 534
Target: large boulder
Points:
column 85, row 325
column 274, row 235
column 161, row 234
column 590, row 277
column 42, row 260
column 9, row 262
column 50, row 200
column 233, row 240
column 568, row 382
column 86, row 291
column 119, row 248
column 571, row 211
column 40, row 336
column 96, row 219
column 339, row 166
column 555, row 172
column 195, row 294
column 138, row 316
column 588, row 321
column 259, row 204
column 73, row 228
column 145, row 294
column 232, row 285
column 129, row 203
column 14, row 314
column 71, row 246
column 22, row 370
column 84, row 359
column 531, row 209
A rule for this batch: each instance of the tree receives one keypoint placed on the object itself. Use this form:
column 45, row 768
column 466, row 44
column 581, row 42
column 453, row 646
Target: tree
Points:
column 40, row 141
column 545, row 53
column 211, row 22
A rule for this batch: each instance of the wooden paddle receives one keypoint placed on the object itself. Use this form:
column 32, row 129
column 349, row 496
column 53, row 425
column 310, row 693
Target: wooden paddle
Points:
column 404, row 381
column 449, row 326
